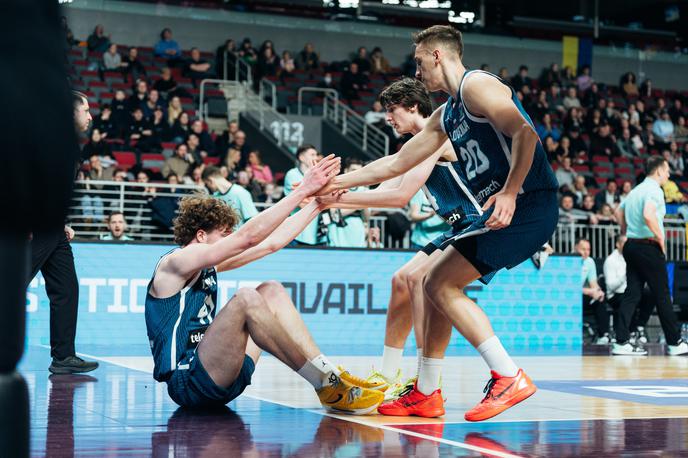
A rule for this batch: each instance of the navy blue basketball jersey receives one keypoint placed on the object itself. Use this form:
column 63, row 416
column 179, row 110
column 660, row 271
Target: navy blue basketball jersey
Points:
column 449, row 196
column 178, row 323
column 485, row 153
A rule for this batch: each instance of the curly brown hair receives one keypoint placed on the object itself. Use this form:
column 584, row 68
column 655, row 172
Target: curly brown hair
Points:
column 198, row 212
column 407, row 92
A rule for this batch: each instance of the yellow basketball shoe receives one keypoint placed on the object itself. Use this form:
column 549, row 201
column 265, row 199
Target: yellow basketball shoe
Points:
column 388, row 384
column 371, row 384
column 340, row 396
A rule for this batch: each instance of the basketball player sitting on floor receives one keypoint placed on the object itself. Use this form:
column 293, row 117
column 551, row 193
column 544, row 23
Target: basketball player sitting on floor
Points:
column 207, row 357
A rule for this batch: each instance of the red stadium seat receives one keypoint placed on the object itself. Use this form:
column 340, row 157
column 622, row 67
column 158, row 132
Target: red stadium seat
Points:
column 211, row 161
column 125, row 160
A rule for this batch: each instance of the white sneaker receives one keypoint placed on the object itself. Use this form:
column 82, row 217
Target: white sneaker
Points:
column 604, row 340
column 628, row 350
column 681, row 348
column 641, row 336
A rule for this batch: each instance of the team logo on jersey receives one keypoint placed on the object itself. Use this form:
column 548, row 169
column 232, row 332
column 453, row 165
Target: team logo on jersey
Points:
column 460, row 129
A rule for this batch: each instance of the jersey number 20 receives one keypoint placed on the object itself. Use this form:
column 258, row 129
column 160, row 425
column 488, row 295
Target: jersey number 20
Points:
column 476, row 161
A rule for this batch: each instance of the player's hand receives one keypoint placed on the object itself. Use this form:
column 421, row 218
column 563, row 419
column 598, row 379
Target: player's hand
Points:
column 504, row 208
column 69, row 233
column 320, row 174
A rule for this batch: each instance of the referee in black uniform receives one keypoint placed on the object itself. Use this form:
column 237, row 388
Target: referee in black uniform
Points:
column 52, row 255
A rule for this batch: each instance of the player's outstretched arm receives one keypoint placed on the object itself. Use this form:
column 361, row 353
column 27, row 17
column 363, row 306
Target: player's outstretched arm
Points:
column 420, row 147
column 486, row 96
column 192, row 258
column 285, row 233
column 387, row 197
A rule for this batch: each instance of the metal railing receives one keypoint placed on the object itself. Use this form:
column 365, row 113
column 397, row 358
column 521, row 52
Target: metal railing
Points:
column 95, row 200
column 331, row 92
column 268, row 87
column 601, row 237
column 355, row 128
column 242, row 69
column 270, row 120
column 203, row 103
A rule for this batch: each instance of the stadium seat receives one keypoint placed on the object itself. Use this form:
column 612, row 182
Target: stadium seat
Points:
column 125, row 159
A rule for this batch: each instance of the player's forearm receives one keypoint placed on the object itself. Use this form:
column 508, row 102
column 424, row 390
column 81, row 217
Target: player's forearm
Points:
column 285, row 233
column 522, row 152
column 386, row 198
column 264, row 223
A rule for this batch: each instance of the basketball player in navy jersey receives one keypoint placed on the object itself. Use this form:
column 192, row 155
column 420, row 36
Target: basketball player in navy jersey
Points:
column 409, row 107
column 505, row 173
column 207, row 357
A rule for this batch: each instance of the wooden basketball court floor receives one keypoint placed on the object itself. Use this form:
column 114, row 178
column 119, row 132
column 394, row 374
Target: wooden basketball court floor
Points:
column 597, row 406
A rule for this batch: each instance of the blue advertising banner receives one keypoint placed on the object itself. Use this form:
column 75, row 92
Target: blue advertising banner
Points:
column 341, row 294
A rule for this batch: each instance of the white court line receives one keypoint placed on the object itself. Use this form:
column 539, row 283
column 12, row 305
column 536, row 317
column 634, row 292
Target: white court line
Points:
column 352, row 419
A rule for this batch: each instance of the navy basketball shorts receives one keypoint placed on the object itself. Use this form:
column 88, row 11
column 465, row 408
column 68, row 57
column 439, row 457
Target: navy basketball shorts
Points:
column 193, row 387
column 532, row 225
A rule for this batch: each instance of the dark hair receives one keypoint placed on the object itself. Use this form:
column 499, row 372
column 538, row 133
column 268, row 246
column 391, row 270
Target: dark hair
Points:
column 407, row 92
column 162, row 33
column 201, row 212
column 523, row 67
column 303, row 148
column 444, row 34
column 211, row 171
column 582, row 239
column 78, row 98
column 611, row 180
column 653, row 163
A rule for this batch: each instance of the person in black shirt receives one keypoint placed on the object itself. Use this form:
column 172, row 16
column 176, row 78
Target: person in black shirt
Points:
column 141, row 133
column 307, row 59
column 362, row 60
column 151, row 104
column 352, row 82
column 603, row 143
column 98, row 41
column 197, row 68
column 132, row 66
column 120, row 114
column 180, row 129
column 96, row 145
column 140, row 96
column 229, row 48
column 205, row 142
column 159, row 126
column 104, row 122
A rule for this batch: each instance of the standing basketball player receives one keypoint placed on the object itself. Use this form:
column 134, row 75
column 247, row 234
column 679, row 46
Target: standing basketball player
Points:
column 506, row 175
column 207, row 359
column 52, row 255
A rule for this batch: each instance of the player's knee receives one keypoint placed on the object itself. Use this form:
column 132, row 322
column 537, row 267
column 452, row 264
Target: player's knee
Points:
column 270, row 288
column 249, row 299
column 414, row 280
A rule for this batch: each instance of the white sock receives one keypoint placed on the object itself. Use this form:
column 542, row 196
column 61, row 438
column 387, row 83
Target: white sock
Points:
column 497, row 358
column 317, row 371
column 391, row 361
column 429, row 375
column 419, row 354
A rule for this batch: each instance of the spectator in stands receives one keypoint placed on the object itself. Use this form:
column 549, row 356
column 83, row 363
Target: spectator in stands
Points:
column 593, row 121
column 179, row 163
column 258, row 170
column 647, row 137
column 663, row 128
column 609, row 196
column 225, row 139
column 168, row 48
column 578, row 146
column 593, row 296
column 140, row 134
column 550, row 76
column 579, row 190
column 540, row 107
column 205, row 141
column 503, row 73
column 164, row 207
column 140, row 96
column 174, row 109
column 603, row 143
column 120, row 114
column 546, row 128
column 592, row 97
column 111, row 58
column 246, row 181
column 626, row 188
column 327, row 82
column 248, row 53
column 633, row 116
column 628, row 85
column 362, row 60
column 568, row 214
column 196, row 176
column 197, row 68
column 231, row 193
column 167, row 86
column 91, row 202
column 67, row 33
column 584, row 80
column 564, row 149
column 229, row 48
column 680, row 129
column 673, row 195
column 239, row 143
column 567, row 76
column 152, row 103
column 675, row 161
column 574, row 119
column 104, row 122
column 180, row 129
column 98, row 172
column 588, row 207
column 376, row 116
column 97, row 146
column 307, row 59
column 521, row 79
column 551, row 148
column 379, row 63
column 267, row 64
column 571, row 100
column 676, row 110
column 194, row 148
column 408, row 67
column 98, row 41
column 660, row 106
column 353, row 81
column 159, row 126
column 132, row 66
column 554, row 98
column 605, row 215
column 231, row 163
column 287, row 66
column 117, row 226
column 626, row 146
